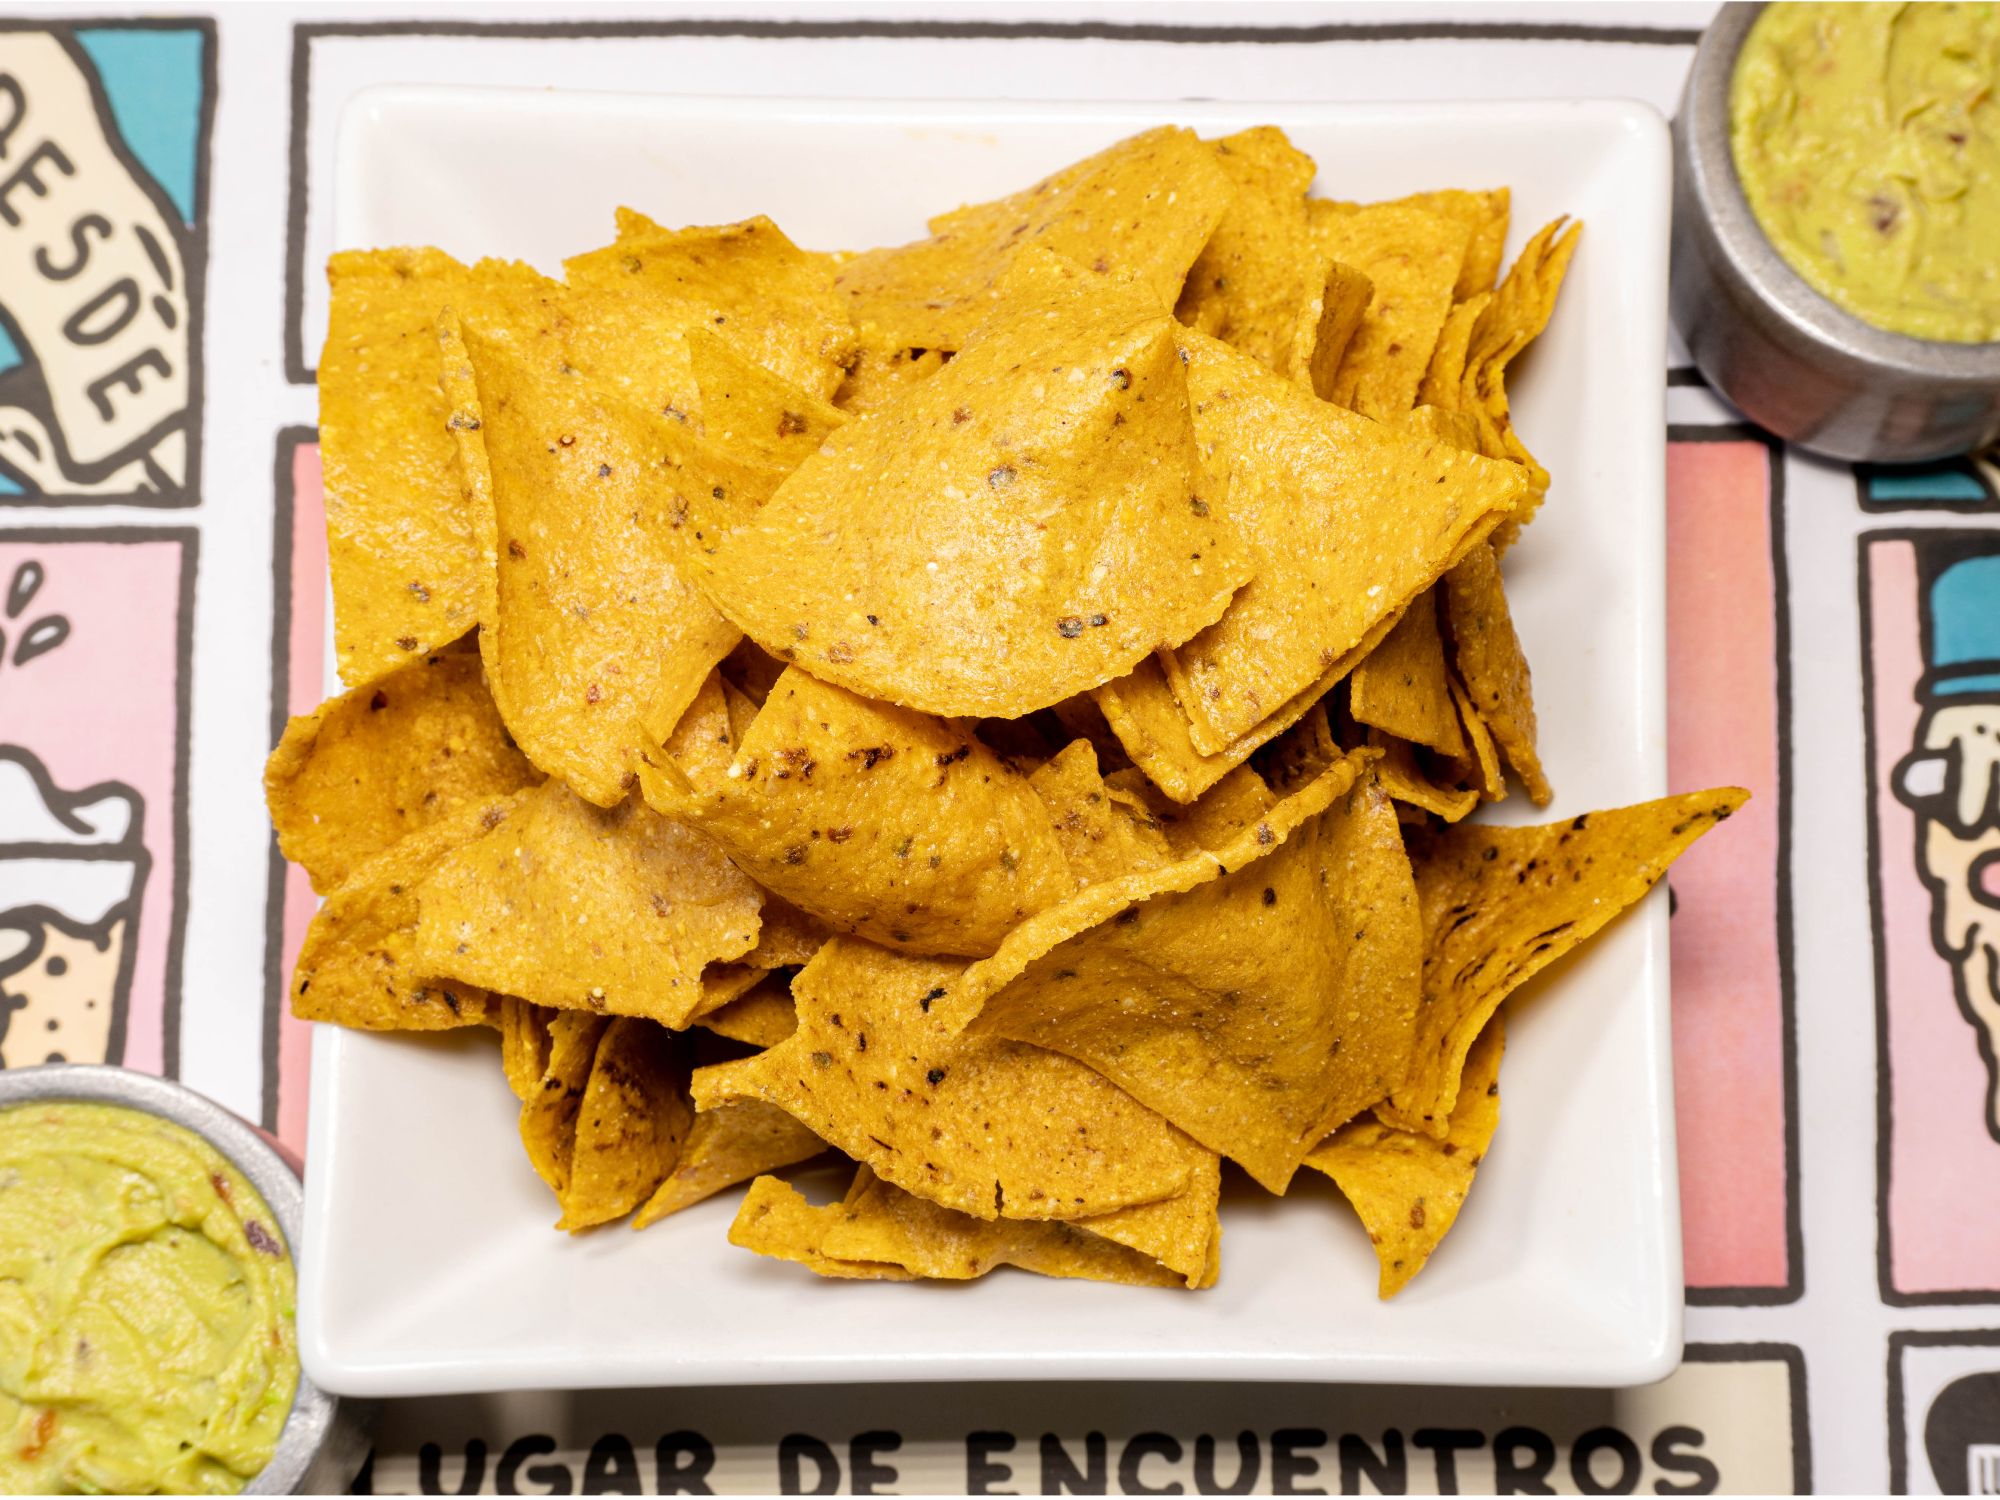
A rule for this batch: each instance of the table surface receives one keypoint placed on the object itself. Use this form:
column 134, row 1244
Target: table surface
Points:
column 166, row 611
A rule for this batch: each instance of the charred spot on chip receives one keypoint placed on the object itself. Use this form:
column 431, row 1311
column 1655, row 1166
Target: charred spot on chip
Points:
column 1200, row 507
column 960, row 416
column 1100, row 620
column 379, row 702
column 1069, row 627
column 934, row 1077
column 592, row 694
column 516, row 550
column 1270, row 896
column 464, row 423
column 795, row 855
column 407, row 642
column 1265, row 835
column 790, row 424
column 1122, row 379
column 423, row 595
column 822, row 1059
column 1002, row 477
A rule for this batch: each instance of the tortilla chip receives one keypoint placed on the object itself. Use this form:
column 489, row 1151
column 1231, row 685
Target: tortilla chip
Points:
column 725, row 1146
column 1428, row 424
column 1517, row 314
column 573, row 906
column 1103, row 834
column 881, row 1223
column 985, row 1126
column 1492, row 665
column 1261, row 1009
column 593, row 624
column 768, row 298
column 1445, row 376
column 358, row 964
column 878, row 821
column 1154, row 730
column 1343, row 532
column 985, row 548
column 1328, row 326
column 1414, row 259
column 1144, row 207
column 1485, row 215
column 1301, row 754
column 524, row 1044
column 631, row 1122
column 762, row 1016
column 882, row 376
column 752, row 671
column 548, row 1118
column 1501, row 904
column 722, row 985
column 703, row 743
column 753, row 415
column 1404, row 778
column 1254, row 279
column 401, row 542
column 1408, row 1188
column 1403, row 686
column 361, row 770
column 776, row 1220
column 1181, row 1233
column 1480, row 766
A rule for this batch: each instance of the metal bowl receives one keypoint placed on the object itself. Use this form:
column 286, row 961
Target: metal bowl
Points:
column 325, row 1439
column 1791, row 360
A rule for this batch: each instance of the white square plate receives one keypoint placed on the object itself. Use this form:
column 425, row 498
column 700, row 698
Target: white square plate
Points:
column 429, row 1264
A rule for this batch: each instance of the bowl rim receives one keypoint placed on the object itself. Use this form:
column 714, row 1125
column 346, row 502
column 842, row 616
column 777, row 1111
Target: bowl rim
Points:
column 1704, row 121
column 310, row 1420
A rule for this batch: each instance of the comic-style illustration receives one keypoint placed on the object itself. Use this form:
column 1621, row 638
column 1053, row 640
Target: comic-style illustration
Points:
column 1944, row 1412
column 102, row 144
column 1950, row 779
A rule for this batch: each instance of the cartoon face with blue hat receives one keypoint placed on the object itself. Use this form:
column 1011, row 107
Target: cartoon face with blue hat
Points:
column 1951, row 780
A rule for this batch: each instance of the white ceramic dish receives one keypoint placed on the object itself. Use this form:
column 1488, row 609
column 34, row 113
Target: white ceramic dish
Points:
column 429, row 1262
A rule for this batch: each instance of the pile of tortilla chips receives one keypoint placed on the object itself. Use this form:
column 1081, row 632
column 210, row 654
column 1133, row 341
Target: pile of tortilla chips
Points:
column 1003, row 708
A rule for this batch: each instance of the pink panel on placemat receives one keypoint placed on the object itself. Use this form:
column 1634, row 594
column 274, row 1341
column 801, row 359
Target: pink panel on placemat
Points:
column 102, row 705
column 1722, row 730
column 307, row 670
column 1944, row 1169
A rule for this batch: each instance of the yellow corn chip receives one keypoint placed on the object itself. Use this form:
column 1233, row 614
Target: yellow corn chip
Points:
column 524, row 1044
column 725, row 1146
column 1492, row 665
column 548, row 1119
column 880, row 377
column 1402, row 685
column 1103, row 834
column 361, row 770
column 1257, row 1011
column 1427, row 424
column 358, row 964
column 1414, row 259
column 1302, row 753
column 1182, row 1233
column 1144, row 207
column 984, row 1126
column 776, row 1220
column 1343, row 532
column 986, row 548
column 573, row 906
column 1486, row 215
column 879, row 821
column 1403, row 778
column 1408, row 1188
column 753, row 415
column 1254, row 278
column 722, row 985
column 630, row 1123
column 401, row 542
column 1328, row 325
column 703, row 743
column 746, row 282
column 1479, row 768
column 1152, row 727
column 1501, row 904
column 1441, row 387
column 882, row 1223
column 762, row 1016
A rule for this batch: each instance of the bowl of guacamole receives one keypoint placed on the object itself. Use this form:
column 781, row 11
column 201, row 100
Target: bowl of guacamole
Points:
column 147, row 1298
column 1836, row 213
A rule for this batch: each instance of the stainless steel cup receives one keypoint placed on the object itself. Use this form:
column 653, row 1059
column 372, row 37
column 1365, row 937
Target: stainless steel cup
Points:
column 1792, row 361
column 325, row 1439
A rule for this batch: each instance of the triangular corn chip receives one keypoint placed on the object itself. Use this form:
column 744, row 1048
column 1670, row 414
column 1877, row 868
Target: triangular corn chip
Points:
column 524, row 1044
column 1501, row 904
column 1028, row 523
column 879, row 821
column 1408, row 1188
column 1257, row 1011
column 1403, row 686
column 1327, row 327
column 1405, row 778
column 882, row 375
column 745, row 282
column 573, row 906
column 1344, row 528
column 358, row 964
column 984, row 1126
column 1144, row 207
column 1485, row 215
column 1259, row 270
column 762, row 1016
column 1103, row 834
column 1492, row 665
column 549, row 1114
column 1414, row 259
column 752, row 414
column 1445, row 377
column 401, row 540
column 630, row 1124
column 725, row 1146
column 361, row 770
column 1154, row 730
column 1182, row 1233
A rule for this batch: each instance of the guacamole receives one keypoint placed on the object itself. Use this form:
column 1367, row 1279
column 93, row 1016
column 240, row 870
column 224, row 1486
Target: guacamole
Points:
column 1867, row 138
column 146, row 1299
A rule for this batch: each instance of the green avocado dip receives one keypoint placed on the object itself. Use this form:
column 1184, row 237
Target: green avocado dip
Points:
column 146, row 1300
column 1867, row 139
